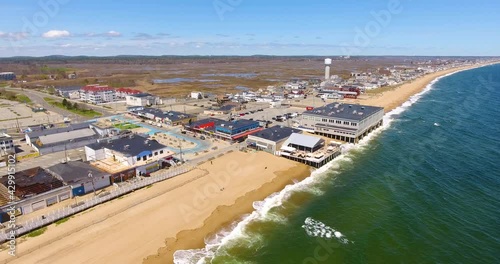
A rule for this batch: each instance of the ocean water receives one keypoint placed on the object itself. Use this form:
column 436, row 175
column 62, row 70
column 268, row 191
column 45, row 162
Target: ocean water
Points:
column 424, row 188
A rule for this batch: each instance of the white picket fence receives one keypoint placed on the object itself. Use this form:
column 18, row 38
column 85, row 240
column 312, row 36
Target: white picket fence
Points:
column 30, row 225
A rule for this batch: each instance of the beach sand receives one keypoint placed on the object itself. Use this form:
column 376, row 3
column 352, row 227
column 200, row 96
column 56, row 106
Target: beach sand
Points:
column 128, row 230
column 179, row 213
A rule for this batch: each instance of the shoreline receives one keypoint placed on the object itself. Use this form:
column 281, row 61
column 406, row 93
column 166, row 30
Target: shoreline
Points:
column 390, row 100
column 225, row 215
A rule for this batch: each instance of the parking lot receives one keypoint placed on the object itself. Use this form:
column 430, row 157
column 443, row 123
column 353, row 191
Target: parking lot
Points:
column 268, row 114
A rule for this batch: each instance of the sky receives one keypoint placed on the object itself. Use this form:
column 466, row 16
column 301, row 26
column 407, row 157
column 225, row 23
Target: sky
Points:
column 249, row 27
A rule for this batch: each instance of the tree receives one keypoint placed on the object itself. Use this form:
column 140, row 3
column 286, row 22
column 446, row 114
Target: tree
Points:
column 51, row 90
column 75, row 105
column 65, row 103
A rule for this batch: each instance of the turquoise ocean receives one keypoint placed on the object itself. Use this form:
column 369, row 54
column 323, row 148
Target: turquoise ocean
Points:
column 424, row 188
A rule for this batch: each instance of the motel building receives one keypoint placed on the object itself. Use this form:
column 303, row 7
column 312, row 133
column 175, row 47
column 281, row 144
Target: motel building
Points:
column 128, row 157
column 344, row 122
column 237, row 130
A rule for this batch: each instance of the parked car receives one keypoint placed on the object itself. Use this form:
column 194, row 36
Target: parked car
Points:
column 202, row 137
column 242, row 114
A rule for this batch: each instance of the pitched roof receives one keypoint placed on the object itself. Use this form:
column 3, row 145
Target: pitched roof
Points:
column 131, row 146
column 74, row 172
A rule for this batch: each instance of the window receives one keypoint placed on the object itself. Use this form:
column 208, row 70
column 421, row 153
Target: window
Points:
column 346, row 123
column 156, row 153
column 138, row 158
column 144, row 157
column 161, row 151
column 151, row 155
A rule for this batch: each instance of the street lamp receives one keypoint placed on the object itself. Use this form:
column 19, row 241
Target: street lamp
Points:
column 92, row 177
column 65, row 151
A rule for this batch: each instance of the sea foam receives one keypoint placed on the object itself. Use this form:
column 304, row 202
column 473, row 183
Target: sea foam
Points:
column 262, row 208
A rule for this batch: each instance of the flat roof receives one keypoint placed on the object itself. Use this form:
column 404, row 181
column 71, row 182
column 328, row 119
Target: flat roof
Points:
column 45, row 132
column 304, row 140
column 276, row 133
column 132, row 145
column 33, row 181
column 141, row 95
column 344, row 111
column 236, row 123
column 76, row 171
column 67, row 136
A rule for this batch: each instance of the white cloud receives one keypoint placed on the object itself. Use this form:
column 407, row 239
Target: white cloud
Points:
column 14, row 36
column 113, row 33
column 56, row 34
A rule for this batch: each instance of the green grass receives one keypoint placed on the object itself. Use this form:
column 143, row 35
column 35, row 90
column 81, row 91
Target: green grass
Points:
column 37, row 232
column 126, row 125
column 23, row 98
column 60, row 221
column 82, row 112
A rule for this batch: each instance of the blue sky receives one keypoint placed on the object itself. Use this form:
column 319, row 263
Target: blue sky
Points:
column 248, row 27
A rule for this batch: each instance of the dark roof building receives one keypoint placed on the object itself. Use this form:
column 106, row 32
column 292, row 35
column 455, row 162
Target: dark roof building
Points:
column 344, row 111
column 276, row 133
column 76, row 172
column 129, row 146
column 32, row 182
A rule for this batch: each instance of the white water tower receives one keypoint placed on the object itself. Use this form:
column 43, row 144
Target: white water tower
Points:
column 328, row 62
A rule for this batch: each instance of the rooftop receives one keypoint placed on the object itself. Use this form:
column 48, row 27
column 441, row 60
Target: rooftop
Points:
column 67, row 136
column 131, row 146
column 128, row 91
column 33, row 181
column 97, row 88
column 51, row 131
column 141, row 95
column 345, row 111
column 276, row 133
column 304, row 140
column 76, row 171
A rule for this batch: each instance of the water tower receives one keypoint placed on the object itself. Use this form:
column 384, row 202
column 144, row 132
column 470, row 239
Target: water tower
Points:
column 328, row 62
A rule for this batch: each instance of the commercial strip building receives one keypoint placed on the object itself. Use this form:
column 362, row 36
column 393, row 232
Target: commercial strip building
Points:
column 128, row 157
column 345, row 122
column 310, row 150
column 35, row 189
column 63, row 138
column 270, row 139
column 82, row 177
column 171, row 118
column 237, row 130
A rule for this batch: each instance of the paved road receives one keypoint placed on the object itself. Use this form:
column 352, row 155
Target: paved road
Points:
column 37, row 97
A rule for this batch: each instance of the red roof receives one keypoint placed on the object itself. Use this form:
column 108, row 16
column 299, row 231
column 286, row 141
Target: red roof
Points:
column 97, row 88
column 128, row 91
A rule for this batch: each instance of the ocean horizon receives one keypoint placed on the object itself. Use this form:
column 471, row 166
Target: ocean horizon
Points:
column 420, row 189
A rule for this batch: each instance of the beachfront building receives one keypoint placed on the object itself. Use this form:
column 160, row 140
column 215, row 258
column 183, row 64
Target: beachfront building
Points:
column 129, row 156
column 270, row 139
column 142, row 99
column 345, row 122
column 81, row 176
column 63, row 138
column 237, row 130
column 35, row 189
column 97, row 94
column 310, row 150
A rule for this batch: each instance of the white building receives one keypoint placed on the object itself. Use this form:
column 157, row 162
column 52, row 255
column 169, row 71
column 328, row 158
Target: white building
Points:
column 346, row 122
column 142, row 99
column 97, row 94
column 196, row 95
column 6, row 144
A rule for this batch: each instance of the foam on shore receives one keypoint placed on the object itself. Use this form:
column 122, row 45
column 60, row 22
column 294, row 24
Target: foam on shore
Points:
column 310, row 184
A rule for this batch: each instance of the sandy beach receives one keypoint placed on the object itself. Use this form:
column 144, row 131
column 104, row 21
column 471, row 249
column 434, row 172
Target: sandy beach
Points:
column 129, row 229
column 149, row 225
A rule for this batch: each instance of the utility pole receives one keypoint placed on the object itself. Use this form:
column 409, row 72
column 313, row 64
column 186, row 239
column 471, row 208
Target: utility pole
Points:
column 92, row 177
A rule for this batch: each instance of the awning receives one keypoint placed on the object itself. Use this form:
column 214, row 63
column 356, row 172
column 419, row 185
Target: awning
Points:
column 262, row 146
column 289, row 149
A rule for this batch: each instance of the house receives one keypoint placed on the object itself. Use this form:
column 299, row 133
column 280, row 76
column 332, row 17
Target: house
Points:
column 128, row 156
column 345, row 122
column 142, row 99
column 52, row 140
column 236, row 130
column 270, row 139
column 70, row 92
column 97, row 94
column 82, row 177
column 35, row 189
column 223, row 110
